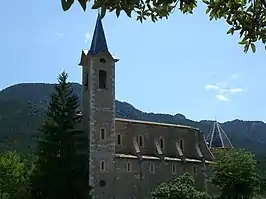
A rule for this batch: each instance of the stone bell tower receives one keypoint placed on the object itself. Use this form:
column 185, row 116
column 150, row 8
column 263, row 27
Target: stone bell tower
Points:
column 98, row 106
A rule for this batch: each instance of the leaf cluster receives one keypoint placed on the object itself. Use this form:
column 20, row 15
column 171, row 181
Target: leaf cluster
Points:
column 235, row 174
column 14, row 176
column 183, row 187
column 247, row 17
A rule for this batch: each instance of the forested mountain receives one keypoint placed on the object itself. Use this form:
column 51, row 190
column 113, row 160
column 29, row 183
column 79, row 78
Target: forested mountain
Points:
column 22, row 109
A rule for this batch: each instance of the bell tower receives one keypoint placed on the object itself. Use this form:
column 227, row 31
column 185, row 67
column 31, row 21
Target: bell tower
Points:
column 98, row 107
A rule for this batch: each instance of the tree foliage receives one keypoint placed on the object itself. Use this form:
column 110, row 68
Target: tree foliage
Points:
column 182, row 187
column 246, row 17
column 62, row 165
column 14, row 176
column 235, row 174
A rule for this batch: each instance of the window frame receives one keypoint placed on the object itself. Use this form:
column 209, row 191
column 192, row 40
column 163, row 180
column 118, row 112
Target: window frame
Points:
column 161, row 142
column 195, row 170
column 102, row 165
column 174, row 169
column 128, row 167
column 182, row 146
column 152, row 167
column 102, row 79
column 140, row 143
column 104, row 135
column 119, row 141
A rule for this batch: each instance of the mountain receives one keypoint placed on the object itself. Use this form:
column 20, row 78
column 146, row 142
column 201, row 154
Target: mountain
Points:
column 22, row 108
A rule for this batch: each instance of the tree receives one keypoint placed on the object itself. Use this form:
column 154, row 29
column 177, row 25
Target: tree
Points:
column 182, row 187
column 235, row 174
column 246, row 17
column 62, row 165
column 14, row 176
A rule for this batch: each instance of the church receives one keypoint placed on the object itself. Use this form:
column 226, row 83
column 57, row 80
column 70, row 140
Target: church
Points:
column 129, row 158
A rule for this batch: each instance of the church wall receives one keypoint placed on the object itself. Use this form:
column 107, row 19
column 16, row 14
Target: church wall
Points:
column 140, row 180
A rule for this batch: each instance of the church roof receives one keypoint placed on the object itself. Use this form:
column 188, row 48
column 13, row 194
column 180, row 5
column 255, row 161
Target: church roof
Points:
column 155, row 123
column 98, row 43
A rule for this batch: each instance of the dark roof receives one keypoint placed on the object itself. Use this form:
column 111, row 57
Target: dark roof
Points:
column 98, row 43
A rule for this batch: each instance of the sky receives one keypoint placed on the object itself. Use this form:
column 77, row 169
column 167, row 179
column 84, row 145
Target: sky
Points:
column 185, row 64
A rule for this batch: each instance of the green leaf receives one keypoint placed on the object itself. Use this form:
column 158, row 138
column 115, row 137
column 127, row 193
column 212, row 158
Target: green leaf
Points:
column 96, row 5
column 243, row 42
column 118, row 11
column 253, row 47
column 230, row 31
column 83, row 4
column 66, row 4
column 103, row 12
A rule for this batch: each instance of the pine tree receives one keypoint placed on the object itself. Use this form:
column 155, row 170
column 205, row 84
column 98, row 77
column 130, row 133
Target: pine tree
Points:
column 62, row 165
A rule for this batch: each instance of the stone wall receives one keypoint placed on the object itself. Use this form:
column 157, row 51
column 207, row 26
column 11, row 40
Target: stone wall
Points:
column 140, row 180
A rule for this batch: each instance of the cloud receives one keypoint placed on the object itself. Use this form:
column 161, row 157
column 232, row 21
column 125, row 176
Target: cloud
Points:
column 221, row 97
column 212, row 86
column 87, row 37
column 222, row 90
column 59, row 34
column 235, row 90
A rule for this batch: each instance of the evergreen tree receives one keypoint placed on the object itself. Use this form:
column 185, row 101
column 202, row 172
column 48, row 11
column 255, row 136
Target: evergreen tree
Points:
column 62, row 165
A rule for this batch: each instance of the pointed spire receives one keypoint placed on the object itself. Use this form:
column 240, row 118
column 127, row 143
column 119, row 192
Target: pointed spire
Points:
column 98, row 43
column 217, row 138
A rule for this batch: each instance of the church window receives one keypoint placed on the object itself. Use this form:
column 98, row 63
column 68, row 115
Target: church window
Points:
column 181, row 144
column 102, row 165
column 102, row 60
column 194, row 170
column 161, row 140
column 140, row 140
column 173, row 169
column 152, row 169
column 102, row 79
column 119, row 139
column 129, row 166
column 102, row 134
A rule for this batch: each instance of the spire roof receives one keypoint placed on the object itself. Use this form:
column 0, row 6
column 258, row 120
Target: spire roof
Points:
column 98, row 43
column 217, row 138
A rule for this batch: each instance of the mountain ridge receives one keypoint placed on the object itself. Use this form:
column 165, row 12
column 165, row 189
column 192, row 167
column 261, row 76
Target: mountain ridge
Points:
column 22, row 108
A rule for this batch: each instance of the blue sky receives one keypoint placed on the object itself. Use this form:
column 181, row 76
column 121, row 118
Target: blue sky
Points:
column 185, row 64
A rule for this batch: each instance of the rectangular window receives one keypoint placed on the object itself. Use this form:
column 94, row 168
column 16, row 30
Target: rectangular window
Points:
column 152, row 168
column 173, row 169
column 119, row 140
column 102, row 79
column 194, row 170
column 129, row 167
column 181, row 144
column 140, row 141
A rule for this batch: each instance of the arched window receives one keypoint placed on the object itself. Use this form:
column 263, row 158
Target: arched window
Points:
column 102, row 79
column 161, row 141
column 102, row 165
column 129, row 166
column 119, row 139
column 140, row 140
column 102, row 134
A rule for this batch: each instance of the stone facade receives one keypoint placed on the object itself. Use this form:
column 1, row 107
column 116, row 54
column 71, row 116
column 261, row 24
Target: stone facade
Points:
column 129, row 158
